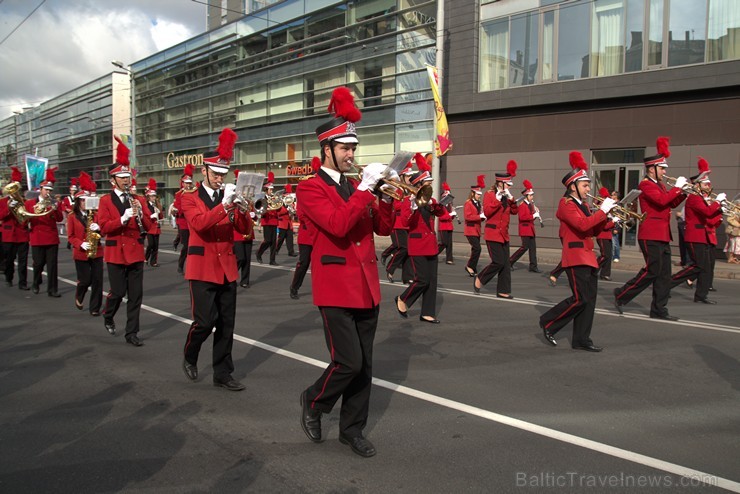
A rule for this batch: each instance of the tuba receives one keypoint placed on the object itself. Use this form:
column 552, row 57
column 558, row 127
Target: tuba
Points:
column 12, row 190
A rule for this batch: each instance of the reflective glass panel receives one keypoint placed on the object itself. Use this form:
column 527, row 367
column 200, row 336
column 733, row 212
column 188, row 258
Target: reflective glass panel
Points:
column 635, row 23
column 724, row 30
column 523, row 49
column 573, row 43
column 687, row 32
column 655, row 33
column 493, row 55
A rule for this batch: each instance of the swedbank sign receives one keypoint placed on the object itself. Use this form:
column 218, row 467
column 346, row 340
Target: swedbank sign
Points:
column 293, row 170
column 180, row 161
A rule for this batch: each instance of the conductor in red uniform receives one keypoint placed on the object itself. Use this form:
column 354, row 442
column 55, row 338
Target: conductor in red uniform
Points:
column 654, row 235
column 213, row 216
column 474, row 218
column 44, row 237
column 578, row 227
column 124, row 226
column 345, row 282
column 498, row 206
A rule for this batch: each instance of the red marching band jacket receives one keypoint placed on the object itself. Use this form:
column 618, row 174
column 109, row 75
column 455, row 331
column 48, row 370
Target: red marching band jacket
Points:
column 44, row 228
column 343, row 263
column 283, row 218
column 155, row 228
column 398, row 223
column 656, row 202
column 445, row 220
column 577, row 231
column 712, row 225
column 422, row 237
column 526, row 220
column 13, row 232
column 700, row 218
column 471, row 215
column 498, row 217
column 306, row 230
column 269, row 217
column 123, row 243
column 77, row 233
column 211, row 255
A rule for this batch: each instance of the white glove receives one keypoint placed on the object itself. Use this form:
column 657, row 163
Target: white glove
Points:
column 607, row 204
column 12, row 203
column 414, row 206
column 174, row 211
column 229, row 194
column 252, row 215
column 482, row 216
column 499, row 195
column 153, row 216
column 453, row 213
column 85, row 246
column 156, row 211
column 507, row 193
column 94, row 227
column 681, row 182
column 127, row 215
column 721, row 197
column 372, row 174
column 536, row 215
column 393, row 175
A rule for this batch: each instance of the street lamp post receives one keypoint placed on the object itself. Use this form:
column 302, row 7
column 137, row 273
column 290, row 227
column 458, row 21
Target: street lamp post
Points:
column 132, row 84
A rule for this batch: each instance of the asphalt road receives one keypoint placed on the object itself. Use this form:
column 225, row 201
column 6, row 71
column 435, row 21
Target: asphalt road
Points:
column 479, row 403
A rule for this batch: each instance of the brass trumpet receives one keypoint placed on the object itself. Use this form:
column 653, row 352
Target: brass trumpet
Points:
column 622, row 213
column 689, row 188
column 696, row 190
column 398, row 190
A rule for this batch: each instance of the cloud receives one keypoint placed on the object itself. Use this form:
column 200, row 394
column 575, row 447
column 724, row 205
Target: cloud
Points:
column 65, row 45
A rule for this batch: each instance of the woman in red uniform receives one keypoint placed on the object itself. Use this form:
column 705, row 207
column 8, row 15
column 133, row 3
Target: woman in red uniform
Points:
column 155, row 214
column 474, row 217
column 269, row 223
column 445, row 225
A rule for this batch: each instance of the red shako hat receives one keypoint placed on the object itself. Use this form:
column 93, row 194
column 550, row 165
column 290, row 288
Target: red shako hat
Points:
column 662, row 145
column 122, row 166
column 579, row 169
column 219, row 160
column 480, row 184
column 341, row 128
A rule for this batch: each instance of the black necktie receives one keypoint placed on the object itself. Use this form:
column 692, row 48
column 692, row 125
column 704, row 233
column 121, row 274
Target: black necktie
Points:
column 215, row 197
column 344, row 185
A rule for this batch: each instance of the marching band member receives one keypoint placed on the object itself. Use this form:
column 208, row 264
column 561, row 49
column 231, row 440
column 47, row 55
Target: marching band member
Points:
column 89, row 267
column 346, row 289
column 400, row 235
column 67, row 204
column 243, row 243
column 579, row 227
column 285, row 226
column 423, row 251
column 124, row 226
column 498, row 206
column 555, row 273
column 446, row 227
column 15, row 238
column 474, row 218
column 154, row 210
column 528, row 213
column 306, row 233
column 606, row 247
column 654, row 235
column 700, row 212
column 211, row 270
column 44, row 237
column 183, row 231
column 269, row 223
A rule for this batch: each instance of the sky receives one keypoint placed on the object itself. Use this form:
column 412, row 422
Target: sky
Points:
column 68, row 43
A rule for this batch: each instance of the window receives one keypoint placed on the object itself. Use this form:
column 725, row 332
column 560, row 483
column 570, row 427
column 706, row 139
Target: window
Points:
column 607, row 37
column 723, row 36
column 655, row 33
column 548, row 46
column 573, row 38
column 635, row 21
column 686, row 33
column 523, row 49
column 494, row 39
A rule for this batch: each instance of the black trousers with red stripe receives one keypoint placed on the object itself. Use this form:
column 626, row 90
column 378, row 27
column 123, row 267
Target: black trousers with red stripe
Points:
column 657, row 272
column 243, row 253
column 475, row 250
column 528, row 244
column 349, row 337
column 213, row 305
column 90, row 274
column 700, row 270
column 423, row 285
column 400, row 258
column 269, row 237
column 125, row 280
column 578, row 308
column 499, row 253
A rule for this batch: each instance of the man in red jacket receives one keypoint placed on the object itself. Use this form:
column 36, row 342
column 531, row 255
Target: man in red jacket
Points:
column 183, row 232
column 701, row 213
column 345, row 282
column 578, row 227
column 474, row 218
column 498, row 206
column 15, row 238
column 446, row 227
column 654, row 235
column 123, row 224
column 528, row 214
column 44, row 236
column 211, row 270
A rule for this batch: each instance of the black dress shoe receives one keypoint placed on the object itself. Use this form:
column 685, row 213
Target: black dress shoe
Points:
column 549, row 337
column 23, row 287
column 605, row 278
column 666, row 317
column 389, row 276
column 402, row 313
column 190, row 370
column 294, row 294
column 553, row 282
column 589, row 348
column 712, row 289
column 310, row 420
column 617, row 305
column 535, row 270
column 78, row 304
column 35, row 289
column 434, row 320
column 55, row 294
column 475, row 288
column 470, row 273
column 229, row 384
column 110, row 325
column 506, row 297
column 359, row 445
column 95, row 313
column 705, row 301
column 134, row 340
column 273, row 263
column 450, row 262
column 259, row 258
column 154, row 265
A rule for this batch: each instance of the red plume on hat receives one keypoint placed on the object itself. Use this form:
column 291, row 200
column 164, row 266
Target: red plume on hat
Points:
column 511, row 167
column 226, row 142
column 288, row 189
column 86, row 182
column 703, row 165
column 122, row 152
column 16, row 175
column 74, row 182
column 662, row 145
column 481, row 179
column 315, row 164
column 270, row 179
column 342, row 104
column 577, row 161
column 527, row 184
column 604, row 192
column 152, row 185
column 189, row 170
column 236, row 173
column 50, row 175
column 421, row 163
column 445, row 186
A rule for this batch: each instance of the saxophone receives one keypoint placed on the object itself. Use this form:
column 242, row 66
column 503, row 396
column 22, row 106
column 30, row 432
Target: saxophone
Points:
column 91, row 237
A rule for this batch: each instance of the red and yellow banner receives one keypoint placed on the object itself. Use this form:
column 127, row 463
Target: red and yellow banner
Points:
column 442, row 142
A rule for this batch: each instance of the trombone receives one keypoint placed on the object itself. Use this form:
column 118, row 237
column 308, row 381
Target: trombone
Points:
column 619, row 211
